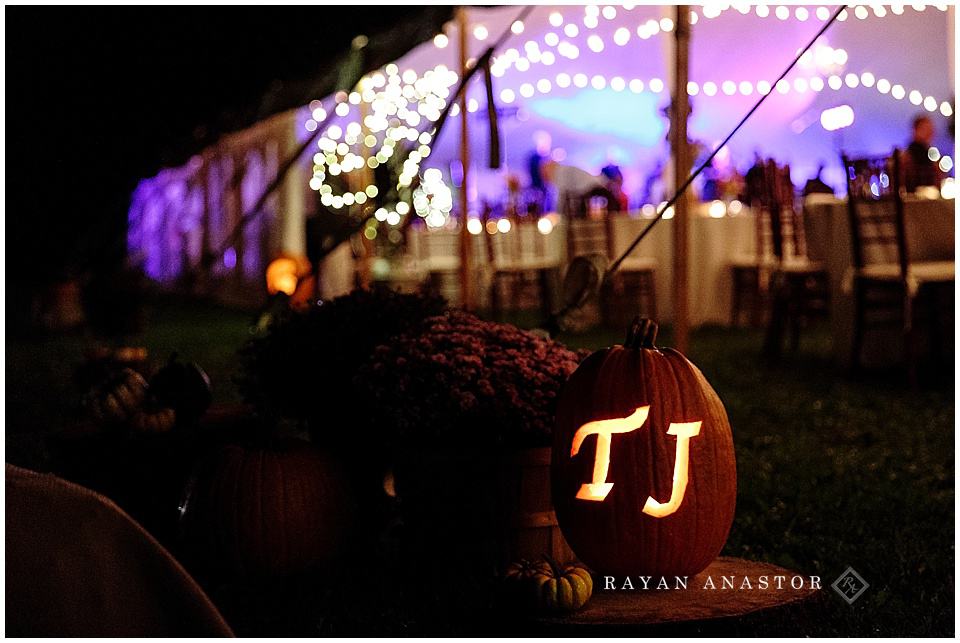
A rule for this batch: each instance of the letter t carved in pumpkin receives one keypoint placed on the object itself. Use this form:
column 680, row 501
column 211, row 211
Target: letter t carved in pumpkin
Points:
column 598, row 488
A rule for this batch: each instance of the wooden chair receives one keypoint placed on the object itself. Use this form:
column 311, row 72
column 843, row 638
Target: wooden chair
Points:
column 799, row 288
column 521, row 261
column 886, row 284
column 751, row 273
column 435, row 258
column 631, row 290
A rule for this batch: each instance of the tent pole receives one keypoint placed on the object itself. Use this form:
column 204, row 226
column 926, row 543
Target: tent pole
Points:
column 681, row 157
column 467, row 299
column 366, row 178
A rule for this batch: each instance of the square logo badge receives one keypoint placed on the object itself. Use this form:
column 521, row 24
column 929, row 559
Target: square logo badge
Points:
column 850, row 585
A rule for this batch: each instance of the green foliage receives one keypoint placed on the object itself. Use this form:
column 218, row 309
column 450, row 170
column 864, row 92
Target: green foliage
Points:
column 303, row 367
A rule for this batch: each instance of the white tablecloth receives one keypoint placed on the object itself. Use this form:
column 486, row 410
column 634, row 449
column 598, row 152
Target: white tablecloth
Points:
column 714, row 243
column 929, row 229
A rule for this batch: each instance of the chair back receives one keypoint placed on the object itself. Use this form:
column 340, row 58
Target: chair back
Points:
column 875, row 211
column 595, row 203
column 790, row 239
column 585, row 236
column 779, row 222
column 426, row 244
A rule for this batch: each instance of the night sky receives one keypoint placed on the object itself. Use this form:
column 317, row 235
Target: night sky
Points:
column 99, row 97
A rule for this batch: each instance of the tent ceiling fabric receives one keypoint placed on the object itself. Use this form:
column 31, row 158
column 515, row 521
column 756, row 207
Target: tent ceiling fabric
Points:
column 596, row 79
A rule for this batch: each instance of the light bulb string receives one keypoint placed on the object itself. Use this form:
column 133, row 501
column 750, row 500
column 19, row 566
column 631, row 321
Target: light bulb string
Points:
column 482, row 62
column 686, row 184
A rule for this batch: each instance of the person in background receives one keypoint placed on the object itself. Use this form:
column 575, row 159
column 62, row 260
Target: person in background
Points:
column 535, row 162
column 712, row 183
column 754, row 188
column 919, row 170
column 816, row 185
column 653, row 187
column 571, row 183
column 614, row 182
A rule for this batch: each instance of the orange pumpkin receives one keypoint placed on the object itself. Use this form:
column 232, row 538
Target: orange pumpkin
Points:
column 643, row 470
column 267, row 512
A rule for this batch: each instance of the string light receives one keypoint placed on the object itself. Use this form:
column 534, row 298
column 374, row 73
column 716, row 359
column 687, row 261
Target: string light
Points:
column 398, row 105
column 402, row 104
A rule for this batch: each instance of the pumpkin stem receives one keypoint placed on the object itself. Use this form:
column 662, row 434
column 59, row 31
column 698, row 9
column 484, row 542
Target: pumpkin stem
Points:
column 554, row 565
column 642, row 333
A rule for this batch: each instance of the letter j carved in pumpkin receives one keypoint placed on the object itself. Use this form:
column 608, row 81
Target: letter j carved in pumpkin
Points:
column 645, row 500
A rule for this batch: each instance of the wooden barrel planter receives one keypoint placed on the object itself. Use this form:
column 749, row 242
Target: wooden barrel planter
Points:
column 534, row 526
column 487, row 508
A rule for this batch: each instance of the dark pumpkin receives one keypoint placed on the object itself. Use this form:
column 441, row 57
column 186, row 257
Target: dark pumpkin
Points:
column 154, row 420
column 613, row 526
column 183, row 387
column 118, row 397
column 267, row 512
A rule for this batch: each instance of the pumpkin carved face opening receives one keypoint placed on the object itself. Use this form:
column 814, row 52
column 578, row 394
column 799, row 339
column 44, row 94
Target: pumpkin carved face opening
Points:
column 644, row 475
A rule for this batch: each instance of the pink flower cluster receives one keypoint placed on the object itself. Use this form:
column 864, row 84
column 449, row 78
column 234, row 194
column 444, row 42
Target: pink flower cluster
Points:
column 460, row 377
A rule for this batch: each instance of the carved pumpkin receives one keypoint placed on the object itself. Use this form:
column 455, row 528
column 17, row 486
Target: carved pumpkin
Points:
column 643, row 469
column 267, row 512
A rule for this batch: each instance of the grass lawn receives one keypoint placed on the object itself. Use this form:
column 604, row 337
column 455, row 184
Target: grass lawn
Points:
column 832, row 472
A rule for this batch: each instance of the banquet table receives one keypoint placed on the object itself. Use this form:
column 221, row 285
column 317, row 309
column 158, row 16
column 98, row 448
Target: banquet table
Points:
column 714, row 244
column 929, row 231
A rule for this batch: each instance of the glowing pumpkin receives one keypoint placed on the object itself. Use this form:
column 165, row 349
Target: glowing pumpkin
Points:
column 285, row 272
column 643, row 470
